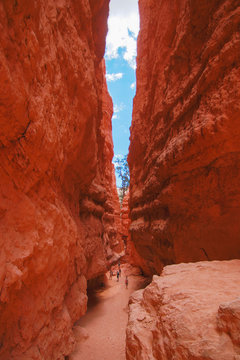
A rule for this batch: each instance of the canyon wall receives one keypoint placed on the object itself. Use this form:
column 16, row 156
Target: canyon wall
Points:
column 59, row 211
column 131, row 256
column 190, row 312
column 185, row 150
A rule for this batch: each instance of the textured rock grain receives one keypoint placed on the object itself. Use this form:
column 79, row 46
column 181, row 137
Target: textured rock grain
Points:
column 185, row 149
column 131, row 256
column 190, row 312
column 56, row 175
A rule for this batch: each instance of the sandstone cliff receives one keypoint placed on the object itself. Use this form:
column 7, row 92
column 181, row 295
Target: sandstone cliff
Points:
column 56, row 175
column 190, row 312
column 131, row 256
column 185, row 149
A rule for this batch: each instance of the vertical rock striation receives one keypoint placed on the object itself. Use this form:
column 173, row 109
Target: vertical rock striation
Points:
column 131, row 256
column 185, row 151
column 58, row 217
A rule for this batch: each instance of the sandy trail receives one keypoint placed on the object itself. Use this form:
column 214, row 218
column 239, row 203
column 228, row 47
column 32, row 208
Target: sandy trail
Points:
column 105, row 321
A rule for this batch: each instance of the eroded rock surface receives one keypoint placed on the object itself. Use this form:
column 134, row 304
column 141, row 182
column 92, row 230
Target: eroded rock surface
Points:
column 185, row 149
column 57, row 212
column 190, row 312
column 131, row 256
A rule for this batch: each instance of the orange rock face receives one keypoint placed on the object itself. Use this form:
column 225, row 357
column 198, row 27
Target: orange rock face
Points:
column 131, row 256
column 185, row 148
column 190, row 312
column 125, row 216
column 57, row 210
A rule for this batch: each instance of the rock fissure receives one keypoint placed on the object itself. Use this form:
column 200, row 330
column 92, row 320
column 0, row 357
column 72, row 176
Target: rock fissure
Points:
column 24, row 132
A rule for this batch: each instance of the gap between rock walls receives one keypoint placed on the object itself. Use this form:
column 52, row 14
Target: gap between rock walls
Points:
column 62, row 227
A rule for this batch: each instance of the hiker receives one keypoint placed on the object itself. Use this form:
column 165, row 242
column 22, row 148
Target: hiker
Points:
column 120, row 271
column 111, row 274
column 118, row 276
column 126, row 282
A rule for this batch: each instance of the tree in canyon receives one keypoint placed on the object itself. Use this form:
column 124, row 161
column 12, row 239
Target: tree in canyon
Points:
column 122, row 170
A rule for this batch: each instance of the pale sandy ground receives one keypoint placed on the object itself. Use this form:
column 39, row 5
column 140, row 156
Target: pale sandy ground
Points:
column 105, row 321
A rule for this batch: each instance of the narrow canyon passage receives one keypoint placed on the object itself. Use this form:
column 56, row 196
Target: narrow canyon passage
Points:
column 61, row 223
column 102, row 333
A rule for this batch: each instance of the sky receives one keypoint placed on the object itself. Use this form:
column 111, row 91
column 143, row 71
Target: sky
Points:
column 120, row 56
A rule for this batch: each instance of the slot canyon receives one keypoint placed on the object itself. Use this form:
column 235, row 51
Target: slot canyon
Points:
column 61, row 224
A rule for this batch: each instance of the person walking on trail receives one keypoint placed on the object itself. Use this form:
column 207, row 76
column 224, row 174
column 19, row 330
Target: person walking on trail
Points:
column 118, row 276
column 120, row 271
column 126, row 282
column 111, row 274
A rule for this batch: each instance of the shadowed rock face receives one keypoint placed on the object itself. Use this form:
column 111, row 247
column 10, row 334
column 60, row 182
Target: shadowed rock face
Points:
column 58, row 217
column 185, row 150
column 191, row 312
column 131, row 256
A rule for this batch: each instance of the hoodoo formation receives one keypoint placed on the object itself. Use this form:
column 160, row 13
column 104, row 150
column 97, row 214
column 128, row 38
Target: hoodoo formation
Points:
column 59, row 213
column 185, row 150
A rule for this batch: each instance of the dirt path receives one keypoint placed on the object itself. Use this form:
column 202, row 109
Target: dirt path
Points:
column 105, row 322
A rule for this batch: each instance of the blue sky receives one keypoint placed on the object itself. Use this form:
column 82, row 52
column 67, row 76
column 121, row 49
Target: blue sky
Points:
column 120, row 56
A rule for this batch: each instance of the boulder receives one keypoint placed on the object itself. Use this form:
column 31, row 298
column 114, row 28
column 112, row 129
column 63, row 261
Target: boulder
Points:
column 189, row 312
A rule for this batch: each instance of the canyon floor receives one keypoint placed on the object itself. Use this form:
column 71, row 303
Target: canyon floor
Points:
column 101, row 331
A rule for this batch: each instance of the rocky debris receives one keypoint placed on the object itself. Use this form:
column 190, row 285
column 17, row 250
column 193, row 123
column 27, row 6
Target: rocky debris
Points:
column 57, row 211
column 190, row 312
column 184, row 150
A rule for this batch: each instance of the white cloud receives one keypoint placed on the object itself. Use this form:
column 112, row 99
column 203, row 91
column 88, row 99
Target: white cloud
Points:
column 114, row 77
column 123, row 7
column 118, row 108
column 132, row 86
column 123, row 27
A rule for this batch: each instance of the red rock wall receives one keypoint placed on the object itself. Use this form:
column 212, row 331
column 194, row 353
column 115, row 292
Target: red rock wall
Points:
column 185, row 149
column 131, row 256
column 125, row 217
column 56, row 177
column 189, row 312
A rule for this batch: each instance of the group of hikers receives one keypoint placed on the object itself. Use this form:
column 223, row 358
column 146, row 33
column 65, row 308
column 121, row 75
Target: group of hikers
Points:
column 119, row 271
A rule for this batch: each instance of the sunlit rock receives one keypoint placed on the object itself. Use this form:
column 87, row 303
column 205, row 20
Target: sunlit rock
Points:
column 191, row 311
column 58, row 220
